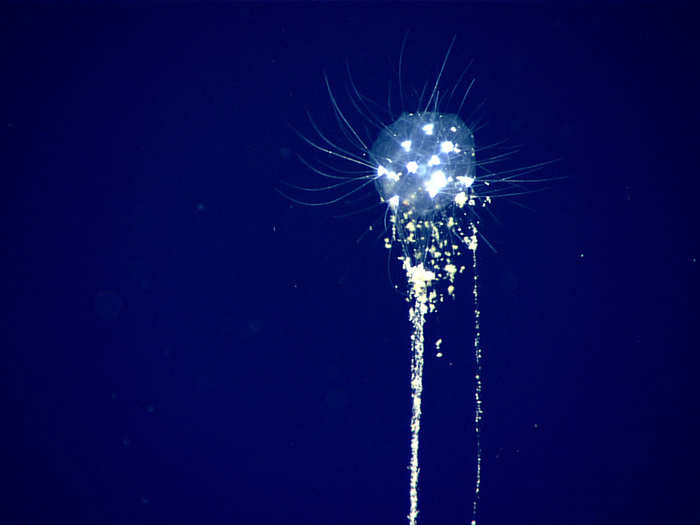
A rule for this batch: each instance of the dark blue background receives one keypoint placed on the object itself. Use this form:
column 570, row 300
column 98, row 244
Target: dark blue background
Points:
column 185, row 346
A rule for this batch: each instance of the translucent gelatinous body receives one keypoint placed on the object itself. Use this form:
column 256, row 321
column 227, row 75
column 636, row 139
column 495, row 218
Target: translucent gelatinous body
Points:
column 424, row 161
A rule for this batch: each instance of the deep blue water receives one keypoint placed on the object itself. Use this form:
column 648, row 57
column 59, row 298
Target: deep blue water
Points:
column 186, row 346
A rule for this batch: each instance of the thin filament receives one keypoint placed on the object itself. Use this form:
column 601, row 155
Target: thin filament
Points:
column 478, row 354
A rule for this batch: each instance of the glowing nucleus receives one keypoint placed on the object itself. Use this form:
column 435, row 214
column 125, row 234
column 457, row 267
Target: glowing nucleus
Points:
column 436, row 182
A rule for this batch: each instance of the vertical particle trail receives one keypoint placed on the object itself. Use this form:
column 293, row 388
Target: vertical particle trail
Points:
column 422, row 302
column 478, row 354
column 419, row 279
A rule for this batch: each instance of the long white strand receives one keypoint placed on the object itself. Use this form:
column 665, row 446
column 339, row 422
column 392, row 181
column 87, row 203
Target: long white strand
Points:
column 478, row 354
column 417, row 315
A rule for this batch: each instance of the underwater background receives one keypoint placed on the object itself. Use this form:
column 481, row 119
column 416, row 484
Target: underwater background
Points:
column 184, row 345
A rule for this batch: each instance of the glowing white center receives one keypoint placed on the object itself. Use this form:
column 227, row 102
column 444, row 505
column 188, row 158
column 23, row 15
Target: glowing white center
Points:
column 436, row 183
column 447, row 146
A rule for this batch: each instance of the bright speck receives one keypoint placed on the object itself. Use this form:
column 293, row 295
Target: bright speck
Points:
column 436, row 183
column 466, row 180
